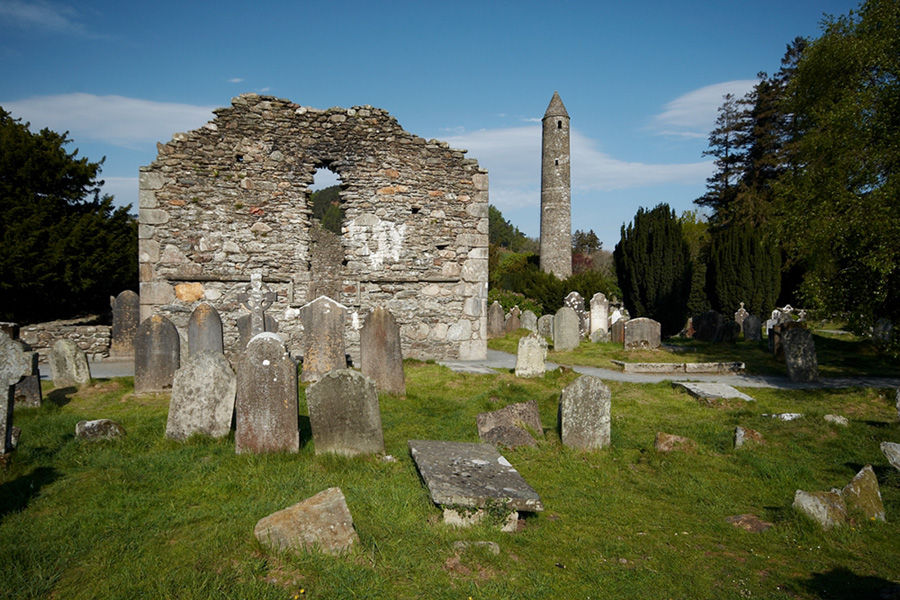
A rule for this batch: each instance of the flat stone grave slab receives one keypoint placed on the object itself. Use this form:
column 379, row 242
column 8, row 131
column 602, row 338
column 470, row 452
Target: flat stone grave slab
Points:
column 712, row 391
column 475, row 475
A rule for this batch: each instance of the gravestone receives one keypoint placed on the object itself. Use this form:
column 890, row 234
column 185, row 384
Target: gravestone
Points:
column 530, row 356
column 712, row 391
column 322, row 340
column 202, row 397
column 800, row 355
column 157, row 355
column 599, row 318
column 730, row 332
column 497, row 426
column 126, row 316
column 205, row 330
column 9, row 328
column 381, row 356
column 321, row 523
column 99, row 429
column 708, row 326
column 584, row 414
column 891, row 451
column 513, row 322
column 566, row 334
column 344, row 414
column 257, row 299
column 642, row 334
column 545, row 327
column 617, row 331
column 27, row 392
column 576, row 303
column 15, row 364
column 496, row 320
column 528, row 321
column 752, row 327
column 881, row 332
column 740, row 315
column 68, row 364
column 266, row 412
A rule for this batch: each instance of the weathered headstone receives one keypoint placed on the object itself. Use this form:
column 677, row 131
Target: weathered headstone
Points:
column 584, row 414
column 566, row 334
column 27, row 392
column 800, row 355
column 617, row 331
column 497, row 426
column 257, row 300
column 344, row 414
column 126, row 316
column 731, row 331
column 266, row 412
column 322, row 342
column 708, row 326
column 826, row 508
column 68, row 364
column 752, row 328
column 545, row 327
column 513, row 322
column 740, row 315
column 157, row 355
column 528, row 321
column 202, row 397
column 496, row 320
column 530, row 356
column 381, row 356
column 205, row 330
column 599, row 318
column 642, row 334
column 776, row 335
column 882, row 331
column 322, row 522
column 245, row 329
column 15, row 363
column 576, row 302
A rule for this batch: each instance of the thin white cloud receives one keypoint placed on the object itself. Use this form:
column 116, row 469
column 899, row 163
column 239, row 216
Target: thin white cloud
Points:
column 49, row 16
column 116, row 120
column 693, row 115
column 236, row 80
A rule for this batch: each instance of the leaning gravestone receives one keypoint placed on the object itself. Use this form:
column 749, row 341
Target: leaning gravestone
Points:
column 68, row 364
column 15, row 363
column 584, row 414
column 266, row 413
column 322, row 523
column 576, row 302
column 511, row 426
column 566, row 334
column 126, row 316
column 496, row 321
column 752, row 327
column 157, row 355
column 322, row 340
column 202, row 397
column 344, row 414
column 617, row 331
column 530, row 356
column 800, row 355
column 528, row 320
column 642, row 334
column 513, row 322
column 599, row 318
column 545, row 327
column 205, row 330
column 381, row 356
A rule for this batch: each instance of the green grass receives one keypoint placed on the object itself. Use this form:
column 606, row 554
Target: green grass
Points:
column 145, row 517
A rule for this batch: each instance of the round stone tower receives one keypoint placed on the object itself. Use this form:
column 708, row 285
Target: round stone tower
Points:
column 556, row 213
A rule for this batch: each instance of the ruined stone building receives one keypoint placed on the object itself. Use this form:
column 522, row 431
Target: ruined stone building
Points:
column 232, row 199
column 556, row 212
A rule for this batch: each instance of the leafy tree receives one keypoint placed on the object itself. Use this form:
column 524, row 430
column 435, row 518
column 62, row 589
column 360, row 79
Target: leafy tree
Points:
column 838, row 202
column 653, row 265
column 743, row 267
column 503, row 233
column 64, row 249
column 585, row 243
column 326, row 205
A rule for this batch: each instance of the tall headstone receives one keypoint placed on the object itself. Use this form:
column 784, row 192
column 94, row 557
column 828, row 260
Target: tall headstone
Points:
column 15, row 364
column 28, row 392
column 545, row 327
column 126, row 316
column 266, row 411
column 566, row 334
column 752, row 327
column 576, row 302
column 322, row 342
column 530, row 356
column 528, row 321
column 584, row 414
column 205, row 330
column 599, row 317
column 496, row 320
column 740, row 315
column 642, row 334
column 800, row 355
column 157, row 355
column 381, row 356
column 708, row 326
column 556, row 212
column 513, row 322
column 617, row 331
column 776, row 336
column 202, row 397
column 344, row 414
column 68, row 364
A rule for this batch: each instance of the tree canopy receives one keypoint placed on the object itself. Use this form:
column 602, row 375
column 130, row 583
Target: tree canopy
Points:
column 65, row 249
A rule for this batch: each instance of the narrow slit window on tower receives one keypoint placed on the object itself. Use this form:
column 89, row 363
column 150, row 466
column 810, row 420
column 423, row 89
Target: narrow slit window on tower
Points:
column 559, row 124
column 557, row 162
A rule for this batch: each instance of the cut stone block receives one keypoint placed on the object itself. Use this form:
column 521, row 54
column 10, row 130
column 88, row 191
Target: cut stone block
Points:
column 322, row 522
column 825, row 508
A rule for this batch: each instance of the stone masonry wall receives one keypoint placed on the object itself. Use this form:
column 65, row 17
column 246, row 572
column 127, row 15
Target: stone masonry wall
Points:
column 92, row 338
column 231, row 199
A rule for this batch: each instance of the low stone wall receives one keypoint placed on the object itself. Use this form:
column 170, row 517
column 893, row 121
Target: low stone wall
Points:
column 94, row 339
column 707, row 368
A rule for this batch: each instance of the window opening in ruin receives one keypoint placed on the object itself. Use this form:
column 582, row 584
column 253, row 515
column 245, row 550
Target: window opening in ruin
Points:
column 557, row 162
column 559, row 124
column 415, row 210
column 325, row 200
column 326, row 251
column 239, row 158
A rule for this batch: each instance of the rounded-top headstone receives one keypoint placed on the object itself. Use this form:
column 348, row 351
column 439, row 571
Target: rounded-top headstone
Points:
column 157, row 355
column 584, row 413
column 202, row 397
column 381, row 356
column 126, row 312
column 68, row 364
column 205, row 330
column 566, row 330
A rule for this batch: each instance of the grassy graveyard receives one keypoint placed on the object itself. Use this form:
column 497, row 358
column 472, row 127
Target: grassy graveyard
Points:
column 152, row 518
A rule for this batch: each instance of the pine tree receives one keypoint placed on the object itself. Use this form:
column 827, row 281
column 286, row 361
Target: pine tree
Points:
column 743, row 267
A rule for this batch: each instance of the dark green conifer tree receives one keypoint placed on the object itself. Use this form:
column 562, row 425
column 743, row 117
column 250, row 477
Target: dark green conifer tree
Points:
column 743, row 266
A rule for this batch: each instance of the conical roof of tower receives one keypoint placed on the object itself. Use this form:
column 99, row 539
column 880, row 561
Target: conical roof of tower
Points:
column 556, row 108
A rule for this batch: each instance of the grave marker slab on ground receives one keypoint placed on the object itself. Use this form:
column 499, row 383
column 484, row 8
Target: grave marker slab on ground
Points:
column 712, row 391
column 344, row 414
column 507, row 424
column 322, row 522
column 202, row 397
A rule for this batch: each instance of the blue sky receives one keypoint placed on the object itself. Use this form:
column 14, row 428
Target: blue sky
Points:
column 641, row 80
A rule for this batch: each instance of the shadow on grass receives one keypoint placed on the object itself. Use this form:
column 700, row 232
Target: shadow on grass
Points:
column 16, row 494
column 61, row 396
column 845, row 584
column 305, row 431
